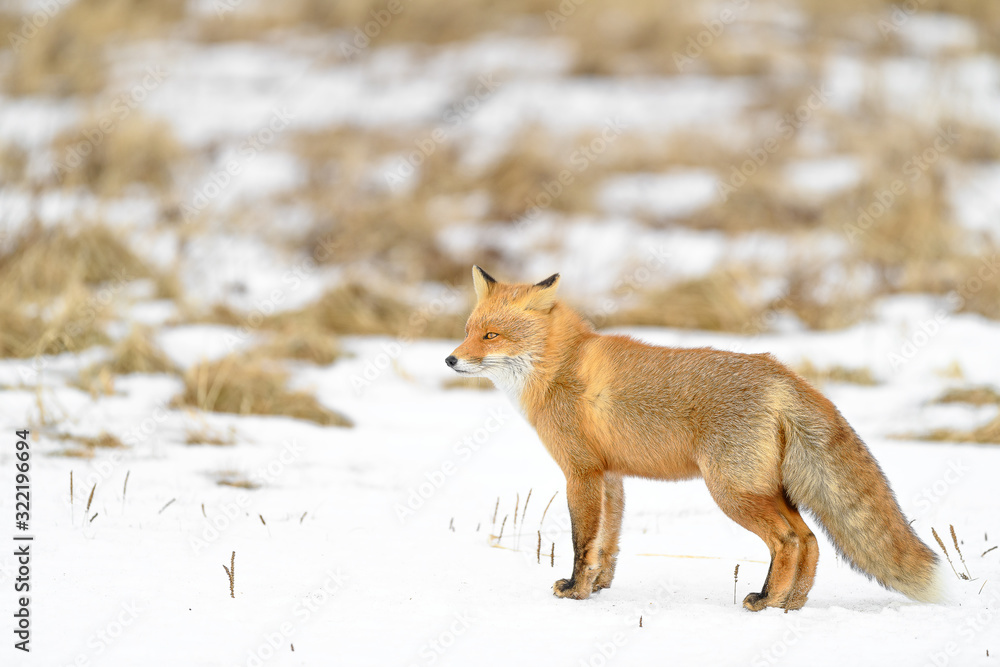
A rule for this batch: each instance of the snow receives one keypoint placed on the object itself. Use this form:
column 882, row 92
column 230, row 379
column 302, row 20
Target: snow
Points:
column 976, row 199
column 934, row 33
column 821, row 178
column 670, row 195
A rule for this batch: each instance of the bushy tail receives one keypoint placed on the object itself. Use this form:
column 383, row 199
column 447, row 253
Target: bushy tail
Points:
column 828, row 470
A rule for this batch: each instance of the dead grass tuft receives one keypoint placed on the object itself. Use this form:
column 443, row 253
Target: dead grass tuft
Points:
column 135, row 353
column 209, row 436
column 66, row 55
column 987, row 434
column 533, row 160
column 307, row 344
column 984, row 395
column 357, row 309
column 45, row 262
column 138, row 353
column 709, row 303
column 244, row 385
column 57, row 287
column 459, row 382
column 86, row 446
column 137, row 150
column 836, row 373
column 820, row 305
column 235, row 479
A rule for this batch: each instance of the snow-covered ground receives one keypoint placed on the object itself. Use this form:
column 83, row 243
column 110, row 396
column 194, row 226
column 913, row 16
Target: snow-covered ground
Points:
column 372, row 545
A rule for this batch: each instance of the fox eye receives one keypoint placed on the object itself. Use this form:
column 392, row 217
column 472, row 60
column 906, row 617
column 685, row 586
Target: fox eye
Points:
column 490, row 336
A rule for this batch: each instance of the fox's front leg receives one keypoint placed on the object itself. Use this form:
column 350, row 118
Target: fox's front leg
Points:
column 585, row 493
column 611, row 528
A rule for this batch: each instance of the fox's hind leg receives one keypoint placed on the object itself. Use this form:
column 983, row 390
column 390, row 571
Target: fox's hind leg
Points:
column 805, row 572
column 611, row 527
column 585, row 493
column 791, row 543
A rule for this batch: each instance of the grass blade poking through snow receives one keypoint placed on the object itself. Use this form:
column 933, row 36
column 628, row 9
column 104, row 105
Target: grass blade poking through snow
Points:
column 231, row 572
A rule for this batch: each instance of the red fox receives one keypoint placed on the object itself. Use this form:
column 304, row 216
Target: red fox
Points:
column 763, row 439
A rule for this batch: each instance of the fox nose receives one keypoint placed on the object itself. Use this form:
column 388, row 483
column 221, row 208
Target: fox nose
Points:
column 451, row 360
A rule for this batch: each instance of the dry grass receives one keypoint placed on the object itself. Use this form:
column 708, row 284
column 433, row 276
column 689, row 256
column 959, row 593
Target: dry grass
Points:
column 836, row 373
column 136, row 150
column 235, row 479
column 13, row 163
column 84, row 447
column 710, row 303
column 66, row 55
column 984, row 395
column 987, row 434
column 242, row 385
column 458, row 382
column 45, row 262
column 528, row 174
column 307, row 344
column 138, row 353
column 75, row 323
column 820, row 305
column 392, row 232
column 973, row 293
column 209, row 436
column 57, row 287
column 357, row 309
column 135, row 353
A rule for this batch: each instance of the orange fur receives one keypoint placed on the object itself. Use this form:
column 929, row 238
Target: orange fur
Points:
column 761, row 437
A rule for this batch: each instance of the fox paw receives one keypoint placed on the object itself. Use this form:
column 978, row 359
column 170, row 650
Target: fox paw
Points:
column 567, row 588
column 758, row 601
column 755, row 601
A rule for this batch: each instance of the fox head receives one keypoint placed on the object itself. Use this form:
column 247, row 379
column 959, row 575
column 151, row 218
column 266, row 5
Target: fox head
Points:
column 505, row 334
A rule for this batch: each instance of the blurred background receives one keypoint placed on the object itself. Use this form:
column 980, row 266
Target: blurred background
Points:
column 305, row 170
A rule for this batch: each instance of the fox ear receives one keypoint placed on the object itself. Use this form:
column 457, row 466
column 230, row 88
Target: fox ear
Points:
column 543, row 294
column 483, row 282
